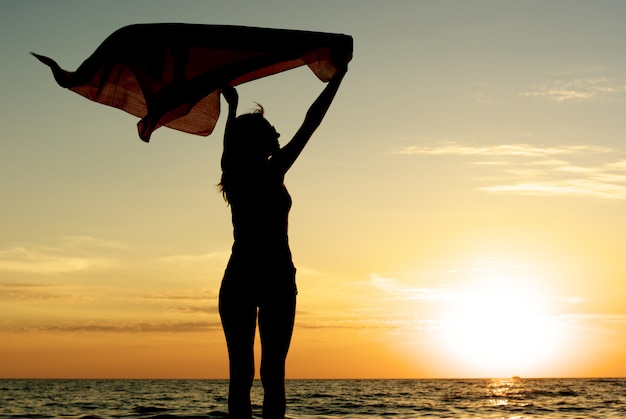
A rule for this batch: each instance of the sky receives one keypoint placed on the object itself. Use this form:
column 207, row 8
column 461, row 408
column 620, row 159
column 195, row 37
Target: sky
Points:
column 459, row 213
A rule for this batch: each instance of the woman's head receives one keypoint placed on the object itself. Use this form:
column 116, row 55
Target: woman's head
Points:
column 251, row 136
column 250, row 141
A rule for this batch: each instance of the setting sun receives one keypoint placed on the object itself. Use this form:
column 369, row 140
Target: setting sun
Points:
column 501, row 328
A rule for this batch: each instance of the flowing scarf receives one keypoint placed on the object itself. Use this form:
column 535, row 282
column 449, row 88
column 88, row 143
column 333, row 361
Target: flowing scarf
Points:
column 170, row 74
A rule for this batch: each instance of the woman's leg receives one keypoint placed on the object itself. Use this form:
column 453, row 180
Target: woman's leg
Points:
column 276, row 320
column 239, row 323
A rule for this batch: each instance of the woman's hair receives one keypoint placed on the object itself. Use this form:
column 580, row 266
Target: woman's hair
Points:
column 241, row 145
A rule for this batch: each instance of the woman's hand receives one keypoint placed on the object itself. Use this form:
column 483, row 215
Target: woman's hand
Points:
column 340, row 59
column 340, row 72
column 230, row 94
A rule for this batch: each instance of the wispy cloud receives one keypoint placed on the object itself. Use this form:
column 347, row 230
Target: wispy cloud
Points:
column 604, row 180
column 594, row 317
column 181, row 295
column 68, row 254
column 186, row 301
column 580, row 187
column 580, row 89
column 15, row 292
column 207, row 309
column 371, row 321
column 541, row 170
column 48, row 260
column 197, row 261
column 398, row 290
column 117, row 327
column 520, row 149
column 395, row 288
column 89, row 242
column 428, row 309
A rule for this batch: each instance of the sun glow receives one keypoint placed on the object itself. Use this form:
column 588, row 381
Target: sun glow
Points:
column 501, row 328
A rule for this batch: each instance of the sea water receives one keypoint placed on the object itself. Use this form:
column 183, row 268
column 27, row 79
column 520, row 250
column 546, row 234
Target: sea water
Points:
column 196, row 399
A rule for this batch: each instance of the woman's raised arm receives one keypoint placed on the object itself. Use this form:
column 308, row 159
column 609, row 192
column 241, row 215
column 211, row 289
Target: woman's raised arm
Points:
column 232, row 98
column 288, row 154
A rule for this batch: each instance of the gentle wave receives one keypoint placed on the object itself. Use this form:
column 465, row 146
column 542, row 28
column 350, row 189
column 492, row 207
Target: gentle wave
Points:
column 320, row 399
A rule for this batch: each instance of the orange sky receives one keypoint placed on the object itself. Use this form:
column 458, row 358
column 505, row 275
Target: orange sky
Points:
column 458, row 214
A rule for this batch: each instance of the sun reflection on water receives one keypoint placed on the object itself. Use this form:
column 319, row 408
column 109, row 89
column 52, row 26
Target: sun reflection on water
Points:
column 501, row 391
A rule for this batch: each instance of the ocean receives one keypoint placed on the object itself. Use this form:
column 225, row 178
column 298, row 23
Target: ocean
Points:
column 199, row 399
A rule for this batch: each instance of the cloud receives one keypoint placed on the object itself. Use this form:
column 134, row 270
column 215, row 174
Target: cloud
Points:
column 363, row 319
column 82, row 242
column 68, row 254
column 568, row 300
column 605, row 180
column 541, row 170
column 520, row 149
column 594, row 317
column 578, row 187
column 197, row 261
column 118, row 327
column 400, row 291
column 193, row 301
column 578, row 90
column 47, row 261
column 203, row 301
column 407, row 308
column 368, row 322
column 28, row 293
column 208, row 309
column 181, row 295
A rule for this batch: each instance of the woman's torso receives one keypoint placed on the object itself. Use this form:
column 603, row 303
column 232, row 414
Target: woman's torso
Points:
column 260, row 212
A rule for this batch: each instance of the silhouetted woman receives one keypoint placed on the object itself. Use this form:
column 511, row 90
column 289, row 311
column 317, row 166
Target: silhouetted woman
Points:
column 260, row 276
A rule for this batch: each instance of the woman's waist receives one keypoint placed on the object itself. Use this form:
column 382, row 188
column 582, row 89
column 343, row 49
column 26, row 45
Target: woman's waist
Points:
column 246, row 263
column 267, row 242
column 263, row 250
